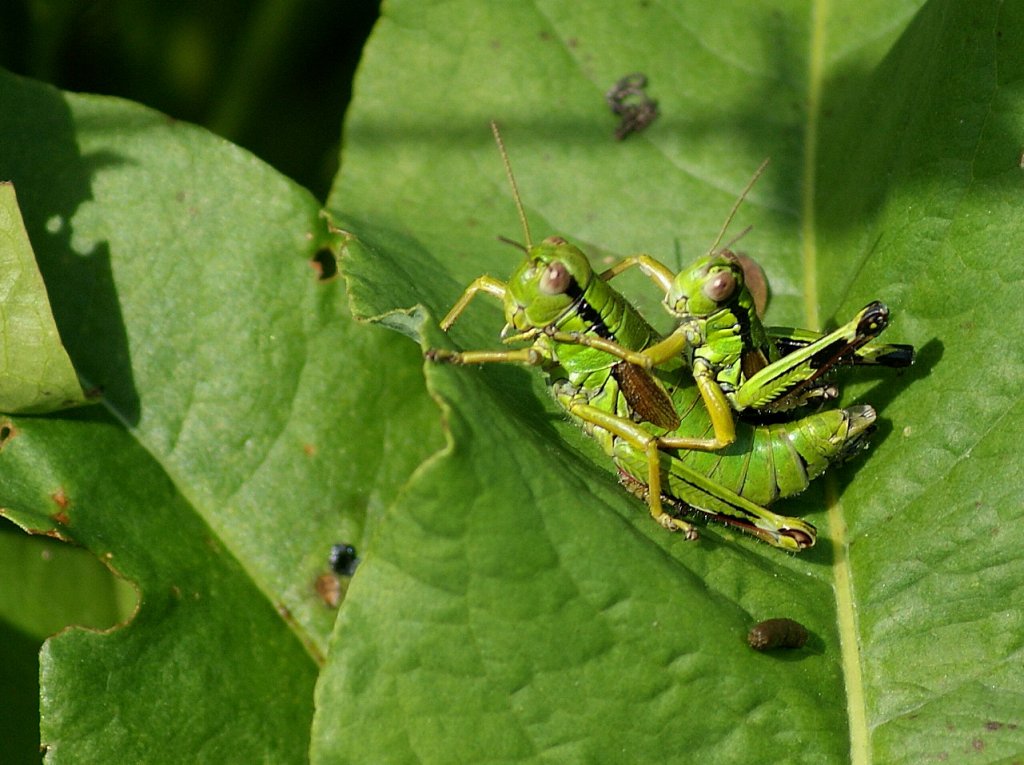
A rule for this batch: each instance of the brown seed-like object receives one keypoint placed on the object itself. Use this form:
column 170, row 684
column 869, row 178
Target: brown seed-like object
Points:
column 777, row 633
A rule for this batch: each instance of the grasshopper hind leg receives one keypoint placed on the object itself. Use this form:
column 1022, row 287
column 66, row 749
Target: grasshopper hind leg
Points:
column 640, row 490
column 781, row 531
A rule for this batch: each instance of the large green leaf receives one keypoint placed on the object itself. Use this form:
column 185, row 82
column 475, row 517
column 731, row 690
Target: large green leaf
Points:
column 35, row 372
column 234, row 442
column 517, row 605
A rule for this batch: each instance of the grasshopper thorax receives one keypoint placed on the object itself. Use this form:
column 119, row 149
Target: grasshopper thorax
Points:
column 546, row 285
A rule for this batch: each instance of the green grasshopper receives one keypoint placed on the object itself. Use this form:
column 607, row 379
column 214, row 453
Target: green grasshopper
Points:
column 649, row 422
column 738, row 363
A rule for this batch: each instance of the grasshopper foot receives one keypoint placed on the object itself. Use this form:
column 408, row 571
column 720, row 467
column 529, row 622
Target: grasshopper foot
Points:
column 677, row 524
column 433, row 354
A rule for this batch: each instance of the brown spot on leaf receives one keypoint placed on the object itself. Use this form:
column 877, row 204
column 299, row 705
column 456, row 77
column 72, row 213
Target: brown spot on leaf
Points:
column 328, row 588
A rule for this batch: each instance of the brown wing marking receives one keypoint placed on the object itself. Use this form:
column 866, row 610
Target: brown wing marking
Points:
column 648, row 399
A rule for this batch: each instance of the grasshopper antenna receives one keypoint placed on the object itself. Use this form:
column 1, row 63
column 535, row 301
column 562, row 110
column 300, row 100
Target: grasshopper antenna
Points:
column 743, row 233
column 512, row 182
column 513, row 242
column 736, row 206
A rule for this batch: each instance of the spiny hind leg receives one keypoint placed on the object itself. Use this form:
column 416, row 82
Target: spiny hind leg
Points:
column 725, row 505
column 784, row 532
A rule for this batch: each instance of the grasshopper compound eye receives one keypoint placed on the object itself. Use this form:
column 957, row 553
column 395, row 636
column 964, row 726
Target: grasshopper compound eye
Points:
column 555, row 279
column 720, row 287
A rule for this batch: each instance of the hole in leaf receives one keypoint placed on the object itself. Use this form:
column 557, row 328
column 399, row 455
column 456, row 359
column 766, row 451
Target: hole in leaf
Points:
column 7, row 432
column 325, row 265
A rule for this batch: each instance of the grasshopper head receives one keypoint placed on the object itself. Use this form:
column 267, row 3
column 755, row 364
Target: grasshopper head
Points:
column 706, row 285
column 551, row 279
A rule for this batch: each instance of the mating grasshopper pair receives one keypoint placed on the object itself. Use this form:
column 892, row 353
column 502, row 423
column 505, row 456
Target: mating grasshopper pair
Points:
column 675, row 442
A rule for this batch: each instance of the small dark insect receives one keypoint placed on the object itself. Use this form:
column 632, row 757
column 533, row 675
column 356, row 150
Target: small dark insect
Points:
column 777, row 633
column 342, row 559
column 627, row 99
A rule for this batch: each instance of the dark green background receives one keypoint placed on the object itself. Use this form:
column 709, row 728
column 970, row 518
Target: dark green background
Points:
column 274, row 77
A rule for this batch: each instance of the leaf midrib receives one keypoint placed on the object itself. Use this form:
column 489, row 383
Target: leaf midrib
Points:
column 846, row 616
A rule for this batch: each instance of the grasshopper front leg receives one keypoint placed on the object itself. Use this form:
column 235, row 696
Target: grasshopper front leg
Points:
column 529, row 356
column 487, row 284
column 719, row 411
column 652, row 268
